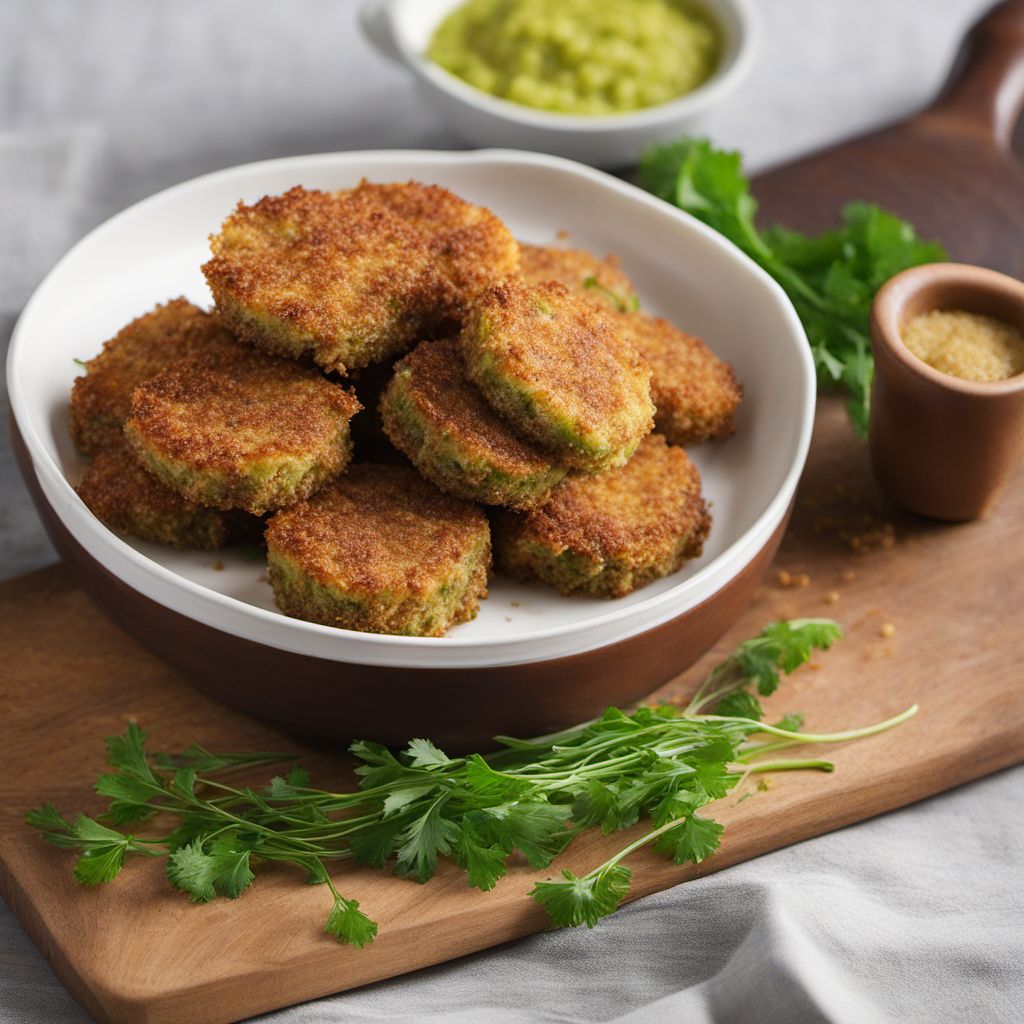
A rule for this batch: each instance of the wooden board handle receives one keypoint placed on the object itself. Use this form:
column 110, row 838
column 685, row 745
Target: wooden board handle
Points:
column 985, row 90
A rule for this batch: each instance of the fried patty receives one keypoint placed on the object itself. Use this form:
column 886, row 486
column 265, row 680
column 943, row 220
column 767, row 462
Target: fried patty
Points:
column 129, row 499
column 454, row 438
column 556, row 368
column 469, row 243
column 695, row 393
column 610, row 534
column 380, row 551
column 244, row 431
column 101, row 400
column 601, row 280
column 353, row 277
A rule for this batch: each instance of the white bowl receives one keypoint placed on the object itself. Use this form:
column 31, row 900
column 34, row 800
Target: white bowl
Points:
column 402, row 30
column 683, row 270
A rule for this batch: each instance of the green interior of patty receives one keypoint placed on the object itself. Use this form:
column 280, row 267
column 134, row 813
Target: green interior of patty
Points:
column 519, row 401
column 341, row 351
column 385, row 611
column 261, row 485
column 445, row 460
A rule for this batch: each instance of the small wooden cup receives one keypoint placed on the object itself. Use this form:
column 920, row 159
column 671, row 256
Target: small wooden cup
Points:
column 941, row 446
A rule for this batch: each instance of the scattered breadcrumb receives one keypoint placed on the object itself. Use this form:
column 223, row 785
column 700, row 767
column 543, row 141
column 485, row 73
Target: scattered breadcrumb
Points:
column 788, row 579
column 218, row 566
column 832, row 597
column 887, row 630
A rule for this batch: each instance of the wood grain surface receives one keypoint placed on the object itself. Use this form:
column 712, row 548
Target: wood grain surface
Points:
column 949, row 170
column 136, row 951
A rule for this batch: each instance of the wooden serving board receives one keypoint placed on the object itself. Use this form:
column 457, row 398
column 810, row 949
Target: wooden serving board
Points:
column 136, row 952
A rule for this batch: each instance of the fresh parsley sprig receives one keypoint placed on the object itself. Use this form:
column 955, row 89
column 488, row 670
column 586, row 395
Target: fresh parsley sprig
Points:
column 830, row 278
column 532, row 797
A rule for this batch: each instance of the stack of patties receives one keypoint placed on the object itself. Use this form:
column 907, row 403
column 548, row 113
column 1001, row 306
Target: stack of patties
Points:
column 526, row 380
column 542, row 406
column 192, row 435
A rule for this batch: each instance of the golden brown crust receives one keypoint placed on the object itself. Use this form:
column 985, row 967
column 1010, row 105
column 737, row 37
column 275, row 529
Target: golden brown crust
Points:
column 243, row 430
column 557, row 368
column 442, row 397
column 101, row 400
column 474, row 246
column 380, row 550
column 609, row 534
column 378, row 528
column 695, row 393
column 125, row 497
column 352, row 277
column 603, row 281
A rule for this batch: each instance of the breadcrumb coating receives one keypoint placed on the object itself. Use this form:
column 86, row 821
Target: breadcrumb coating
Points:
column 556, row 367
column 610, row 534
column 601, row 280
column 382, row 551
column 242, row 431
column 101, row 400
column 695, row 393
column 455, row 439
column 471, row 244
column 352, row 277
column 129, row 499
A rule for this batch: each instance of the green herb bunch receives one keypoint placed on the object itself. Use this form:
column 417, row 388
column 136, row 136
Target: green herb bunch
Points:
column 661, row 764
column 830, row 278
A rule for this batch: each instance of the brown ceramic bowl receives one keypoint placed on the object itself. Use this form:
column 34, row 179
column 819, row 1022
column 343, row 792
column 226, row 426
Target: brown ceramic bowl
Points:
column 532, row 661
column 942, row 446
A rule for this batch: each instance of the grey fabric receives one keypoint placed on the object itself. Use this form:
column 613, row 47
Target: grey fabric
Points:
column 916, row 916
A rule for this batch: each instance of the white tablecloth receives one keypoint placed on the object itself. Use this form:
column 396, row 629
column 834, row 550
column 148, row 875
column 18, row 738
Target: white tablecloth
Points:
column 915, row 916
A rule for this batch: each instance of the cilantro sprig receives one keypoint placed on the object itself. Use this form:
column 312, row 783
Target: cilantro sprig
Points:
column 830, row 278
column 659, row 764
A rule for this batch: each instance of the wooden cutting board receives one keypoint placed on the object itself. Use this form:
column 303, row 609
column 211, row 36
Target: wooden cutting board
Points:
column 950, row 170
column 136, row 952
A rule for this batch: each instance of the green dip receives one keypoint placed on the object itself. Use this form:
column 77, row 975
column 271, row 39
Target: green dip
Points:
column 579, row 56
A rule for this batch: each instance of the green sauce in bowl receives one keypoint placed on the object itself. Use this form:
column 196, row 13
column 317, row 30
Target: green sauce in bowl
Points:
column 591, row 57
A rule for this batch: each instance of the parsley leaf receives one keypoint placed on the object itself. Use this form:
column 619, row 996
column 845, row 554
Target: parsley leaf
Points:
column 573, row 901
column 830, row 278
column 694, row 839
column 222, row 869
column 484, row 864
column 425, row 837
column 660, row 763
column 349, row 924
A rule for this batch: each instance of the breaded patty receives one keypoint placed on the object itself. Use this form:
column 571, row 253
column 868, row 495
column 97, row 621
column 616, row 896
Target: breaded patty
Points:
column 608, row 535
column 129, row 499
column 470, row 243
column 100, row 400
column 695, row 393
column 454, row 438
column 353, row 277
column 381, row 551
column 602, row 280
column 245, row 431
column 556, row 368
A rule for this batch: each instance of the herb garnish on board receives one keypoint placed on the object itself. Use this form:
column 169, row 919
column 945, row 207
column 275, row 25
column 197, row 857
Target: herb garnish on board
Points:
column 830, row 278
column 661, row 764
